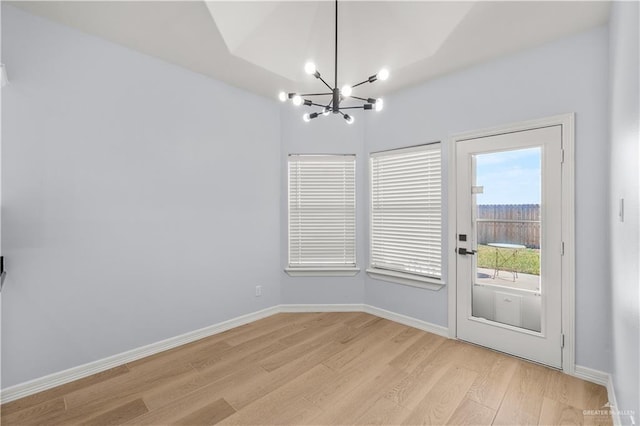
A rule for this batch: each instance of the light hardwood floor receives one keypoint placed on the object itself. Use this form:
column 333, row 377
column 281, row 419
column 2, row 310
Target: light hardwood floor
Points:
column 319, row 368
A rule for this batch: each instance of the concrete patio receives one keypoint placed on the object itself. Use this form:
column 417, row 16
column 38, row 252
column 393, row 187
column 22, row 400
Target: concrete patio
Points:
column 506, row 279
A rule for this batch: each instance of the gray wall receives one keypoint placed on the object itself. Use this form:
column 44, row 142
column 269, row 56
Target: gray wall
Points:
column 140, row 201
column 569, row 75
column 323, row 135
column 625, row 251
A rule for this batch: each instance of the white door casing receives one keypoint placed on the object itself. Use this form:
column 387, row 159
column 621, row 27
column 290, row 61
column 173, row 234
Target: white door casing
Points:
column 554, row 344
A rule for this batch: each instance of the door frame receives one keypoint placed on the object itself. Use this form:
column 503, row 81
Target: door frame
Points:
column 567, row 121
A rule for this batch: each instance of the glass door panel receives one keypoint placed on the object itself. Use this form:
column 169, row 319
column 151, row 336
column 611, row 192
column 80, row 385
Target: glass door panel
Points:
column 506, row 215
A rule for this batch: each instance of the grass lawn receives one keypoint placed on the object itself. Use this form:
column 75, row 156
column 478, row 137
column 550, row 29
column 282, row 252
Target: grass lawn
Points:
column 527, row 261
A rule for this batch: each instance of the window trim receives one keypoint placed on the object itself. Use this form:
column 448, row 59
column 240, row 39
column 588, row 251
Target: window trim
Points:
column 398, row 277
column 405, row 279
column 322, row 270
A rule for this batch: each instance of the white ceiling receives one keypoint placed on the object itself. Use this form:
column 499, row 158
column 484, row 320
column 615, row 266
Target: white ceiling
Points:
column 262, row 46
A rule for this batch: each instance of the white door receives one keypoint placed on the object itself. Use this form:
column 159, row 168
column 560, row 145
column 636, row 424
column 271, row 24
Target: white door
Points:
column 509, row 244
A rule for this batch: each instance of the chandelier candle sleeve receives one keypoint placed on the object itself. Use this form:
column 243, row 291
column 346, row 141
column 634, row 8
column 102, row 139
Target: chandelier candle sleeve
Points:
column 336, row 96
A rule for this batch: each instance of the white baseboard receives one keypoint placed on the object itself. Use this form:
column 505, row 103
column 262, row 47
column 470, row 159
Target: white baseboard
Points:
column 594, row 376
column 40, row 384
column 604, row 379
column 410, row 321
column 56, row 379
column 611, row 393
column 382, row 313
column 346, row 307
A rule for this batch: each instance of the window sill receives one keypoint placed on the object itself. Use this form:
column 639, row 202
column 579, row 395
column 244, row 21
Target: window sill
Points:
column 405, row 279
column 322, row 272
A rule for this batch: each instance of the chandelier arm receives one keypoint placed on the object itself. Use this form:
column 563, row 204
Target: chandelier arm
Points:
column 360, row 84
column 353, row 107
column 325, row 83
column 320, row 105
column 317, row 94
column 359, row 98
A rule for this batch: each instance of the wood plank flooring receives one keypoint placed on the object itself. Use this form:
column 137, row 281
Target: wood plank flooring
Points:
column 318, row 368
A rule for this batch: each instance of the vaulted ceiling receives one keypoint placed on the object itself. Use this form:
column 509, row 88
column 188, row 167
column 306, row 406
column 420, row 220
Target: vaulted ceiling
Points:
column 262, row 46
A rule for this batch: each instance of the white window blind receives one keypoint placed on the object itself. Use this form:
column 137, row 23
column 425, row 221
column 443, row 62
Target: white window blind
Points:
column 322, row 211
column 406, row 217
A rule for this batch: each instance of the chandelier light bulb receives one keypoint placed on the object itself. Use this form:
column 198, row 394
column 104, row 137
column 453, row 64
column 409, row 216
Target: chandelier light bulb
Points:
column 297, row 100
column 349, row 118
column 379, row 104
column 310, row 68
column 326, row 111
column 346, row 90
column 383, row 74
column 282, row 96
column 306, row 118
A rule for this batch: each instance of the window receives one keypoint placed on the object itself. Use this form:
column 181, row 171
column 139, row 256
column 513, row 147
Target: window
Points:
column 406, row 216
column 322, row 215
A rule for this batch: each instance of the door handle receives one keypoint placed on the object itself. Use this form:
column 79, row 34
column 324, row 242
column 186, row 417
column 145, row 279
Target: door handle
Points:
column 462, row 250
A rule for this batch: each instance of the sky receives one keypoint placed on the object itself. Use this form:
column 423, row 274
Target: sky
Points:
column 509, row 177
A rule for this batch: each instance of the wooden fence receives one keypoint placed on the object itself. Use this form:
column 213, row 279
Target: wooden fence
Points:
column 509, row 223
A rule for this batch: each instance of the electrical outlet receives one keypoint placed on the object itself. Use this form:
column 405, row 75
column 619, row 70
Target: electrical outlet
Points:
column 258, row 290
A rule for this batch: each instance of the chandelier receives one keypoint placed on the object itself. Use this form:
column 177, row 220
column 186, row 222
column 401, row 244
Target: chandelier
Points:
column 337, row 95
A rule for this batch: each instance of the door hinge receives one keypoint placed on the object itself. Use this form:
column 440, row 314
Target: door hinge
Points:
column 562, row 156
column 562, row 249
column 562, row 340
